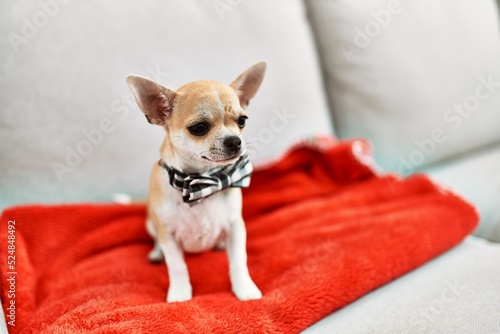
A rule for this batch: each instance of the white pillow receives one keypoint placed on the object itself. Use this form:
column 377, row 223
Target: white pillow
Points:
column 63, row 90
column 397, row 72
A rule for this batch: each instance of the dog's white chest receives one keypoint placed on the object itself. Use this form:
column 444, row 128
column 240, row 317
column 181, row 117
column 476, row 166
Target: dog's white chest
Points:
column 200, row 227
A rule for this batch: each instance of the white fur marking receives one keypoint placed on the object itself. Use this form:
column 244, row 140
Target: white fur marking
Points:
column 243, row 286
column 217, row 99
column 180, row 287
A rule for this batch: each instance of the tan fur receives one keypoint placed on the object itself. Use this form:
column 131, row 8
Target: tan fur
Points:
column 194, row 99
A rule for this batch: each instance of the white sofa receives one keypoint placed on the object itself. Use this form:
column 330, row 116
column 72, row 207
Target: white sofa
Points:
column 420, row 79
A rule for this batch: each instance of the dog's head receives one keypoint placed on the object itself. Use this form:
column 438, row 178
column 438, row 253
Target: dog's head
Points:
column 203, row 119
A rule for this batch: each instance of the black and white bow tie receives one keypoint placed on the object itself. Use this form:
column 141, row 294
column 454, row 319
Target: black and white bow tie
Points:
column 197, row 187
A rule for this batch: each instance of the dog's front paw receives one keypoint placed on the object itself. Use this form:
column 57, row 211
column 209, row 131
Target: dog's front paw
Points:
column 179, row 293
column 247, row 290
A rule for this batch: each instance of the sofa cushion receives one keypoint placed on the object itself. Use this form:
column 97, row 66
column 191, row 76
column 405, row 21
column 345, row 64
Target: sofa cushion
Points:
column 421, row 79
column 475, row 177
column 65, row 100
column 455, row 293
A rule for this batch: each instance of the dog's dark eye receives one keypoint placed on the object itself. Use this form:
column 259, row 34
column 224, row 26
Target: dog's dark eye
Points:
column 242, row 121
column 199, row 129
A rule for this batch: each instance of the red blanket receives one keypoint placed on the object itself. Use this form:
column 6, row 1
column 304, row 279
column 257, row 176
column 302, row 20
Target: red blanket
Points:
column 323, row 230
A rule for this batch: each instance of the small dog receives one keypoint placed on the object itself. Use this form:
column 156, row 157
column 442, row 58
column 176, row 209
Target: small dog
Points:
column 195, row 199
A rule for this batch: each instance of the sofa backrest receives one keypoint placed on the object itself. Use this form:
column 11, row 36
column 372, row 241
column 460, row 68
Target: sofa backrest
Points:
column 421, row 79
column 69, row 128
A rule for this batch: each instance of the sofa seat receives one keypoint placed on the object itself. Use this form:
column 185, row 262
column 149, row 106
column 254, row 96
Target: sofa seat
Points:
column 475, row 176
column 455, row 293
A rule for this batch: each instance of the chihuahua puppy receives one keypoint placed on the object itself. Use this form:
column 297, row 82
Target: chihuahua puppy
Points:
column 195, row 200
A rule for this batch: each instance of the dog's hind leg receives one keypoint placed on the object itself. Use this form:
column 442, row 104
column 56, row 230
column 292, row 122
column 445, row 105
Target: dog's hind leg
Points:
column 155, row 255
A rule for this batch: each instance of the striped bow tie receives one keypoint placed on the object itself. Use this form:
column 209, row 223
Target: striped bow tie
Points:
column 197, row 187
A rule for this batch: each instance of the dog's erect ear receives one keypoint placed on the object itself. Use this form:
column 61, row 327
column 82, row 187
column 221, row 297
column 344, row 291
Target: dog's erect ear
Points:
column 247, row 84
column 155, row 100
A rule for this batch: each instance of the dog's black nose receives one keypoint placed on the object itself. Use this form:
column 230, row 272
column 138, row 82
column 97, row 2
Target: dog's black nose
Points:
column 232, row 144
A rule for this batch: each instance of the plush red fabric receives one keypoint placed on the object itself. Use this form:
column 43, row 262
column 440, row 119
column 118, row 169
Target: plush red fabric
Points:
column 323, row 230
